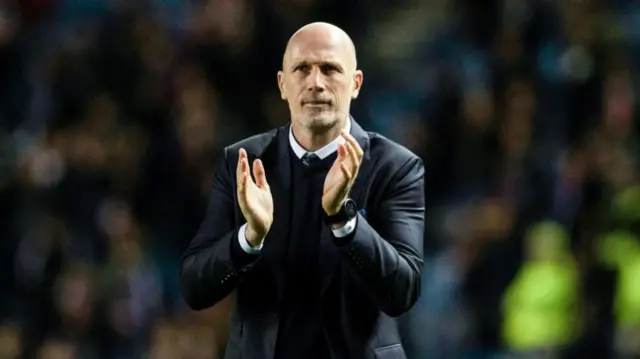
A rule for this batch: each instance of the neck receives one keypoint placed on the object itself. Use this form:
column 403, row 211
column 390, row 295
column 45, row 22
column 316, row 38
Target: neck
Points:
column 313, row 140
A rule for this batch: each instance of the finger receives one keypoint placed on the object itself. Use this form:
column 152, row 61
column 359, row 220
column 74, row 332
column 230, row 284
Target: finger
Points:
column 242, row 185
column 243, row 172
column 343, row 153
column 259, row 174
column 351, row 140
column 242, row 161
column 353, row 156
column 347, row 172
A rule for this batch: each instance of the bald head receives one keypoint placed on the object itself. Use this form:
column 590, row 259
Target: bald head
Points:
column 319, row 78
column 318, row 34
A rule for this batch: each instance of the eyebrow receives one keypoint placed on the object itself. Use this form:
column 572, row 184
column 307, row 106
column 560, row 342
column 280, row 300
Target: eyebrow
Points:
column 331, row 63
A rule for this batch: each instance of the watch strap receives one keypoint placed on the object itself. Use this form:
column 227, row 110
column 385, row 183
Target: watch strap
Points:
column 341, row 216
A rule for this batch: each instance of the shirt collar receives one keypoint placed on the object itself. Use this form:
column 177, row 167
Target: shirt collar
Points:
column 323, row 152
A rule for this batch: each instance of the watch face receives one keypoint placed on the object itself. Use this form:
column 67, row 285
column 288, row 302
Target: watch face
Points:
column 350, row 209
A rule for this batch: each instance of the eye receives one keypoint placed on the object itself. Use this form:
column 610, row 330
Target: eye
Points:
column 302, row 68
column 328, row 68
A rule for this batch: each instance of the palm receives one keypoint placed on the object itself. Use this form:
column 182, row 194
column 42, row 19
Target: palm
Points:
column 334, row 186
column 254, row 195
column 341, row 174
column 259, row 206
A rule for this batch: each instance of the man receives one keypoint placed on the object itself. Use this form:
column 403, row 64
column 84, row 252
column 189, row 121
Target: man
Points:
column 320, row 230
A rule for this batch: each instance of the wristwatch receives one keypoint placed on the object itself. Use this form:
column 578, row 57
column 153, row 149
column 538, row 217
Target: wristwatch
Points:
column 347, row 212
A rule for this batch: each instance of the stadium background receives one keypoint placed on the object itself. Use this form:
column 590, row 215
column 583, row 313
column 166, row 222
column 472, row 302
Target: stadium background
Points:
column 524, row 111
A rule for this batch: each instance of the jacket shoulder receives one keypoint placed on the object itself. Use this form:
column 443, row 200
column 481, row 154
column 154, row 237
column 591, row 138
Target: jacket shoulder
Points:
column 394, row 167
column 388, row 150
column 254, row 145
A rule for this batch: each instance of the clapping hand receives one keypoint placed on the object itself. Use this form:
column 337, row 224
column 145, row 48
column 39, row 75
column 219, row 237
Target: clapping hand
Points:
column 254, row 198
column 342, row 174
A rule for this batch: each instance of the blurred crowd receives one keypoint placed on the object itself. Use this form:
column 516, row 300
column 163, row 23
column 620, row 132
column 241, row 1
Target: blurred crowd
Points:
column 114, row 113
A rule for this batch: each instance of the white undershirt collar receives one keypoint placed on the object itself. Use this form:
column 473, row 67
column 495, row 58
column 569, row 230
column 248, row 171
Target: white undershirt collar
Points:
column 323, row 152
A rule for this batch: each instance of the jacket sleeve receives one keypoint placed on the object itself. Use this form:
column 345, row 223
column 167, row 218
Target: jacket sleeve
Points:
column 388, row 262
column 213, row 263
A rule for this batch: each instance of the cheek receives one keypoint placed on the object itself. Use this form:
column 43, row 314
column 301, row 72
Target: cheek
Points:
column 343, row 93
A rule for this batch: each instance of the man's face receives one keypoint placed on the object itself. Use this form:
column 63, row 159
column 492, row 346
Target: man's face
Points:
column 319, row 79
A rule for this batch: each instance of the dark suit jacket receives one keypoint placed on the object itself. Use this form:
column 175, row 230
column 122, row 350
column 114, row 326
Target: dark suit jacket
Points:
column 366, row 280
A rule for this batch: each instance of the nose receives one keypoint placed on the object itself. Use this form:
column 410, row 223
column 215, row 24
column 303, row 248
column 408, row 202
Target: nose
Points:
column 316, row 81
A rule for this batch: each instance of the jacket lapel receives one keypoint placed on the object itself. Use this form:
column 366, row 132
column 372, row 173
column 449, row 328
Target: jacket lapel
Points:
column 278, row 171
column 329, row 256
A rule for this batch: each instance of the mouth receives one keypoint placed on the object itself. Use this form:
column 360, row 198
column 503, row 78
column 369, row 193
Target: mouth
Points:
column 316, row 103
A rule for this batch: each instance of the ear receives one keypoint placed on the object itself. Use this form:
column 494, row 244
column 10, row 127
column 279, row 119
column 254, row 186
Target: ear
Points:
column 281, row 85
column 358, row 77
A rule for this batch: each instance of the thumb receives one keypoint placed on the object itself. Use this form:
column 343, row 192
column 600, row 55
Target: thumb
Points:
column 259, row 174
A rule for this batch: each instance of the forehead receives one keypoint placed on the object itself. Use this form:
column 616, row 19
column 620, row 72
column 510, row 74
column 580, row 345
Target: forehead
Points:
column 318, row 48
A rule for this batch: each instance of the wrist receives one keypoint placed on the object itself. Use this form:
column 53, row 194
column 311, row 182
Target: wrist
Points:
column 253, row 237
column 338, row 218
column 330, row 212
column 333, row 211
